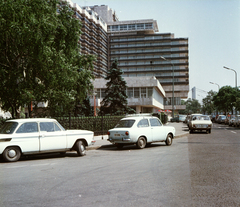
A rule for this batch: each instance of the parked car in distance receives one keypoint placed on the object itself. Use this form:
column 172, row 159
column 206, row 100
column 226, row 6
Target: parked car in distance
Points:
column 213, row 118
column 200, row 123
column 179, row 118
column 221, row 119
column 231, row 121
column 140, row 129
column 175, row 119
column 35, row 136
column 236, row 122
column 182, row 117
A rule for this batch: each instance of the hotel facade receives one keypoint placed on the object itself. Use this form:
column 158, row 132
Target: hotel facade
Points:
column 140, row 49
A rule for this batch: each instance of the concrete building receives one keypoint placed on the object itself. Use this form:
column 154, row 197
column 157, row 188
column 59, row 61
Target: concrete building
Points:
column 94, row 37
column 139, row 48
column 142, row 52
column 145, row 94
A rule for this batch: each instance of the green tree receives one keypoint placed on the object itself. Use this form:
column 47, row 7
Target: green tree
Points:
column 84, row 108
column 192, row 106
column 208, row 105
column 115, row 101
column 39, row 56
column 227, row 99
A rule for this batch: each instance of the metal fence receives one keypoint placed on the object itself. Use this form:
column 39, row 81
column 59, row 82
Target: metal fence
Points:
column 99, row 124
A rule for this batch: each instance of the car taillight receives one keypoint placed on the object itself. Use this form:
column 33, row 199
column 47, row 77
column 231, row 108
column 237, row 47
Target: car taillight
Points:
column 108, row 133
column 127, row 133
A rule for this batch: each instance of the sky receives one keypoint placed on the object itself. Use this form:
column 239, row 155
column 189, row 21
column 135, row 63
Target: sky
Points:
column 211, row 26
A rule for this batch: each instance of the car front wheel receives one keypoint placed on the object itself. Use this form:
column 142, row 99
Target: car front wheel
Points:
column 169, row 140
column 81, row 148
column 141, row 143
column 11, row 154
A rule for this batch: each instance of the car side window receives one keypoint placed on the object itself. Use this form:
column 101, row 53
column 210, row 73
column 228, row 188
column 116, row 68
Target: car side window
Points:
column 49, row 127
column 155, row 122
column 29, row 127
column 143, row 123
column 46, row 126
column 56, row 127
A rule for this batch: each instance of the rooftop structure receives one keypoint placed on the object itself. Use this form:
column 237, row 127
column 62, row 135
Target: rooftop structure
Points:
column 145, row 94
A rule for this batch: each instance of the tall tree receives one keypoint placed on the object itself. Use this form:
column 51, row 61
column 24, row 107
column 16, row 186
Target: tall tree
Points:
column 227, row 99
column 39, row 55
column 115, row 101
column 208, row 105
column 192, row 106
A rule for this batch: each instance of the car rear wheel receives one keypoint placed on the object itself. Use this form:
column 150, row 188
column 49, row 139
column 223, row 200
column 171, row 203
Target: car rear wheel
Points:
column 80, row 148
column 11, row 154
column 141, row 143
column 169, row 140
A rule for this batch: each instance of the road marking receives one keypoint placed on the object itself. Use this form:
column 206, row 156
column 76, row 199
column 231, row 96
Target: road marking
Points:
column 18, row 166
column 234, row 132
column 34, row 165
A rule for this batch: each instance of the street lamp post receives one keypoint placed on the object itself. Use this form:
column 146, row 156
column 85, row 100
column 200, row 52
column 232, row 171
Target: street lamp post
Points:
column 235, row 74
column 215, row 84
column 235, row 80
column 94, row 95
column 218, row 90
column 172, row 84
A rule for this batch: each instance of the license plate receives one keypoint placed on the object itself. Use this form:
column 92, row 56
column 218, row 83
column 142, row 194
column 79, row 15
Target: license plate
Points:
column 201, row 126
column 117, row 135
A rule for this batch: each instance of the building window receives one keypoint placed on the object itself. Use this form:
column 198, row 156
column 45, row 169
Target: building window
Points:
column 143, row 93
column 115, row 28
column 103, row 94
column 130, row 92
column 140, row 26
column 149, row 26
column 131, row 27
column 136, row 93
column 149, row 92
column 123, row 27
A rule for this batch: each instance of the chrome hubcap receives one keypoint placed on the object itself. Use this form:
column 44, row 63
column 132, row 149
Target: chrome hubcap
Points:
column 169, row 140
column 12, row 153
column 82, row 148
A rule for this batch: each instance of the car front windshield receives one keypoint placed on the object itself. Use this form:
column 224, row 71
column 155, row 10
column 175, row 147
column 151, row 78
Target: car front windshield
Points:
column 125, row 123
column 201, row 118
column 8, row 127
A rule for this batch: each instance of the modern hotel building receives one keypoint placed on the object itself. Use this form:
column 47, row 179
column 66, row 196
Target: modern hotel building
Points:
column 140, row 50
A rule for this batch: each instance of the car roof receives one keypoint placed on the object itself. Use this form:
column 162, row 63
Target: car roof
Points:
column 139, row 116
column 30, row 120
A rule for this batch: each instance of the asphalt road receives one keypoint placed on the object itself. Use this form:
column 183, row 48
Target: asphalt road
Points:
column 197, row 170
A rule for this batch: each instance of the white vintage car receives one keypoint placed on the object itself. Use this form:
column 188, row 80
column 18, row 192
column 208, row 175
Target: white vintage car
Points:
column 34, row 136
column 140, row 130
column 200, row 123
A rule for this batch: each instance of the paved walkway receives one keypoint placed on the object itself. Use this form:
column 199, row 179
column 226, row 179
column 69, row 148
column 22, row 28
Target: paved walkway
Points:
column 101, row 141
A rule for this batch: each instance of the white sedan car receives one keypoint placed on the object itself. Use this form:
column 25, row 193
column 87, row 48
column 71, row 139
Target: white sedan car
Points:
column 200, row 123
column 140, row 130
column 34, row 136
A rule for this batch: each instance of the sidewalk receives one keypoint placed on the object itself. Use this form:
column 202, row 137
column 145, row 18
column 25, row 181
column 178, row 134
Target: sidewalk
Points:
column 101, row 141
